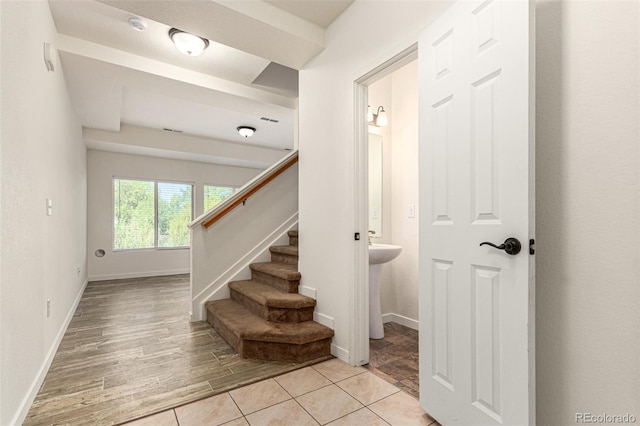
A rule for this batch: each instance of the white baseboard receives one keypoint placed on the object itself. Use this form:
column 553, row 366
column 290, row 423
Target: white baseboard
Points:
column 18, row 419
column 340, row 353
column 402, row 320
column 308, row 291
column 323, row 319
column 138, row 275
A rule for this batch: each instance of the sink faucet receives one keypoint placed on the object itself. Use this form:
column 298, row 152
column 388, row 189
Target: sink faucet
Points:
column 371, row 233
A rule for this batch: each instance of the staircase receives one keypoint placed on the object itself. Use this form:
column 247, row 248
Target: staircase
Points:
column 266, row 318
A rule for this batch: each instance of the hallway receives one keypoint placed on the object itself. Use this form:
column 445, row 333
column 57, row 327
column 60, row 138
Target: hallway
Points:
column 131, row 351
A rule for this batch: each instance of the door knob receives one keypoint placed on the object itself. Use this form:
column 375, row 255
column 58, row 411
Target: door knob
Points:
column 511, row 245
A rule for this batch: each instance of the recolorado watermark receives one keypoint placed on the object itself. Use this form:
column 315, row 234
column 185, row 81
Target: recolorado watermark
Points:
column 605, row 418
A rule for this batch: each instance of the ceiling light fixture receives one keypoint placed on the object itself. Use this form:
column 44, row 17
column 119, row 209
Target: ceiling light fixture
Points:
column 378, row 119
column 246, row 131
column 137, row 23
column 188, row 44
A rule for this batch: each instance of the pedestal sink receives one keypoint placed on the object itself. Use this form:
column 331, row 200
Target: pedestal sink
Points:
column 379, row 254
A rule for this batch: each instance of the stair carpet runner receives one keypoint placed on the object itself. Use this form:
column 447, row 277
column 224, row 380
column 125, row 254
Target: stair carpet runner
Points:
column 266, row 318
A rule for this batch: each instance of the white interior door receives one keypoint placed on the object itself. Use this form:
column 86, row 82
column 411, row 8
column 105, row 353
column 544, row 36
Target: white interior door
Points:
column 476, row 185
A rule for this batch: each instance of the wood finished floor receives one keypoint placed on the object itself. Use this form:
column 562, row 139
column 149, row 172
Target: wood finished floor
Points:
column 131, row 351
column 395, row 357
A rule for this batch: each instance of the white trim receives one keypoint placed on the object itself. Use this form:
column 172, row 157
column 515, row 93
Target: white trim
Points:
column 323, row 319
column 402, row 320
column 339, row 352
column 308, row 291
column 138, row 274
column 359, row 296
column 219, row 284
column 24, row 407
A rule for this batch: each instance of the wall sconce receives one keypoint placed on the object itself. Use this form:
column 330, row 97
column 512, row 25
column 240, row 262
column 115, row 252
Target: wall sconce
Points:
column 379, row 119
column 188, row 44
column 48, row 57
column 246, row 131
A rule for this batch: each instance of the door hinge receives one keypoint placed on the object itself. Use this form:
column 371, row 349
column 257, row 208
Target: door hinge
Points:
column 356, row 236
column 532, row 249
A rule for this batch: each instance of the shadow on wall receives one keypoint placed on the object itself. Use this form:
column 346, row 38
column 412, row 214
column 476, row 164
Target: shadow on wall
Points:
column 551, row 261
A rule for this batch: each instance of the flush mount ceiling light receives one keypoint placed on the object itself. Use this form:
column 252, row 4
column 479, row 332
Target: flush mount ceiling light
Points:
column 246, row 131
column 137, row 23
column 378, row 119
column 188, row 44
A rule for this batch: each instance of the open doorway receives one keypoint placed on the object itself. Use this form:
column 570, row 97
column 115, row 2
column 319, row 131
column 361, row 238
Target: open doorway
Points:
column 393, row 227
column 386, row 173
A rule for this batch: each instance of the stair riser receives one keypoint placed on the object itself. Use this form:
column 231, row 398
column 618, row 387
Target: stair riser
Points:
column 276, row 282
column 273, row 314
column 284, row 258
column 271, row 351
column 224, row 332
column 293, row 241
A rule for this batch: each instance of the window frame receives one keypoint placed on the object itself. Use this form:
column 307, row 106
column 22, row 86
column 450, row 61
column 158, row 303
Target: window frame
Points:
column 155, row 212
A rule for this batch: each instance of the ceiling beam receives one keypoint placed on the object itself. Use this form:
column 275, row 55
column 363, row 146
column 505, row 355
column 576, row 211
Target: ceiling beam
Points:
column 256, row 27
column 113, row 56
column 156, row 143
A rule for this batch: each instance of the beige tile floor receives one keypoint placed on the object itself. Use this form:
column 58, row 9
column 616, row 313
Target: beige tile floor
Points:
column 331, row 392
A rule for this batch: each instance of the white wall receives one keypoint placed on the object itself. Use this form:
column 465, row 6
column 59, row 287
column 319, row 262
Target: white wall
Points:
column 379, row 94
column 587, row 188
column 587, row 209
column 404, row 188
column 366, row 35
column 2, row 355
column 42, row 156
column 398, row 92
column 224, row 251
column 102, row 168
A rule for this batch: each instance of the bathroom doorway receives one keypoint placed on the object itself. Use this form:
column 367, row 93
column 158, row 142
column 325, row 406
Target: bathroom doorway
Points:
column 392, row 188
column 393, row 215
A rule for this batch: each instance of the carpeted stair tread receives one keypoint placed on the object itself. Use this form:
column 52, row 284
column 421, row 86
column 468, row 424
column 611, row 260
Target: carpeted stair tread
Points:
column 280, row 270
column 269, row 296
column 293, row 233
column 246, row 326
column 288, row 250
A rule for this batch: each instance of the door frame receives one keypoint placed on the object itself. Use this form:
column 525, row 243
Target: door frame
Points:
column 359, row 332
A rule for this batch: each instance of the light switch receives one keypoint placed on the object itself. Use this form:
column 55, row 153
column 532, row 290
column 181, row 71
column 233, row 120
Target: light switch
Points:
column 412, row 210
column 49, row 207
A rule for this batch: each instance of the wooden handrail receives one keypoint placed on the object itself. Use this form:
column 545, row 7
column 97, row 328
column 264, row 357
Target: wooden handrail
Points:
column 241, row 196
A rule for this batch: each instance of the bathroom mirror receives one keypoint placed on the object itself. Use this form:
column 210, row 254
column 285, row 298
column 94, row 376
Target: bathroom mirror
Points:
column 375, row 184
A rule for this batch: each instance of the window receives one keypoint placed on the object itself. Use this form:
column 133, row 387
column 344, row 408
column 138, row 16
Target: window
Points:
column 150, row 214
column 214, row 195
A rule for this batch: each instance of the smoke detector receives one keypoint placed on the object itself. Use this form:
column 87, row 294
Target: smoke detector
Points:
column 137, row 23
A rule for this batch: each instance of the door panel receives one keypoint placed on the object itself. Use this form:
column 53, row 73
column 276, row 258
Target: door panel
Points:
column 476, row 180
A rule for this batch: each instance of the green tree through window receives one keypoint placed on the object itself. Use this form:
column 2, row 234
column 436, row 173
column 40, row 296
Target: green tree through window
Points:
column 142, row 220
column 214, row 195
column 134, row 220
column 174, row 214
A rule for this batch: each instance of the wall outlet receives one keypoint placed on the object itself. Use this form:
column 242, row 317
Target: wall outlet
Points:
column 49, row 207
column 78, row 271
column 48, row 308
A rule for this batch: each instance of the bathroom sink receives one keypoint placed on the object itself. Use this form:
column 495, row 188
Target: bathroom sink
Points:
column 378, row 254
column 383, row 253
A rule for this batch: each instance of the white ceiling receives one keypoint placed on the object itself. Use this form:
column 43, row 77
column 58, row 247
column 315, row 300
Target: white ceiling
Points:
column 117, row 76
column 320, row 12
